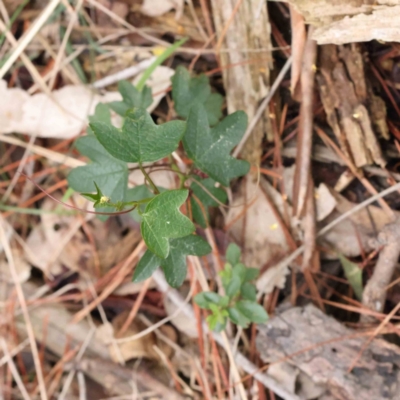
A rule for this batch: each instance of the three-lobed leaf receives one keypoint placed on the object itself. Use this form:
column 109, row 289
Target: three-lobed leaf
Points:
column 202, row 200
column 108, row 173
column 188, row 91
column 174, row 266
column 140, row 139
column 131, row 98
column 162, row 221
column 210, row 148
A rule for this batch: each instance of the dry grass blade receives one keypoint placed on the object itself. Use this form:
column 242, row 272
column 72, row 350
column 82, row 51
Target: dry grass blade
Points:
column 14, row 371
column 27, row 38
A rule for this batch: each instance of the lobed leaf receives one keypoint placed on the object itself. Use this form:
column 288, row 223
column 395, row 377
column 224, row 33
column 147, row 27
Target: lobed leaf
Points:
column 174, row 266
column 210, row 148
column 162, row 221
column 200, row 212
column 140, row 139
column 108, row 173
column 131, row 98
column 188, row 91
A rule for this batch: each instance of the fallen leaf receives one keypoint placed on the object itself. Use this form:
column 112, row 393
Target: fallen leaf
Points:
column 155, row 8
column 355, row 232
column 65, row 115
column 142, row 347
column 57, row 244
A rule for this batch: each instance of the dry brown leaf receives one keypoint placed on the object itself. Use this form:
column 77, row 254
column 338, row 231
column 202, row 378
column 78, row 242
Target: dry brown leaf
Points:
column 355, row 232
column 258, row 231
column 57, row 244
column 65, row 116
column 155, row 8
column 142, row 347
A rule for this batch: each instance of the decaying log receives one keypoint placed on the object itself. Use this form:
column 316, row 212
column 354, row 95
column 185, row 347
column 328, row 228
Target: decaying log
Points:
column 352, row 110
column 344, row 21
column 246, row 65
column 326, row 362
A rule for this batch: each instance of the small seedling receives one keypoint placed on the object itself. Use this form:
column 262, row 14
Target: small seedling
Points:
column 167, row 217
column 239, row 304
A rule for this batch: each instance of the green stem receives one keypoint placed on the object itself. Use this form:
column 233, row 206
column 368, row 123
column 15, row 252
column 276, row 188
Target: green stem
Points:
column 148, row 179
column 158, row 61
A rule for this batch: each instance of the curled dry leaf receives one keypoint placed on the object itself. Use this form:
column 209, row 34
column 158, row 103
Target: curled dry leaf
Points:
column 140, row 348
column 57, row 244
column 64, row 115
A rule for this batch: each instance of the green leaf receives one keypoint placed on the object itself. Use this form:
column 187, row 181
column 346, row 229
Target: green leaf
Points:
column 210, row 148
column 216, row 322
column 110, row 174
column 132, row 98
column 240, row 271
column 101, row 114
column 233, row 287
column 187, row 91
column 162, row 221
column 205, row 199
column 237, row 317
column 205, row 299
column 353, row 274
column 146, row 266
column 253, row 311
column 223, row 302
column 251, row 274
column 174, row 266
column 221, row 324
column 201, row 300
column 213, row 297
column 233, row 253
column 212, row 321
column 137, row 193
column 248, row 291
column 226, row 274
column 140, row 139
